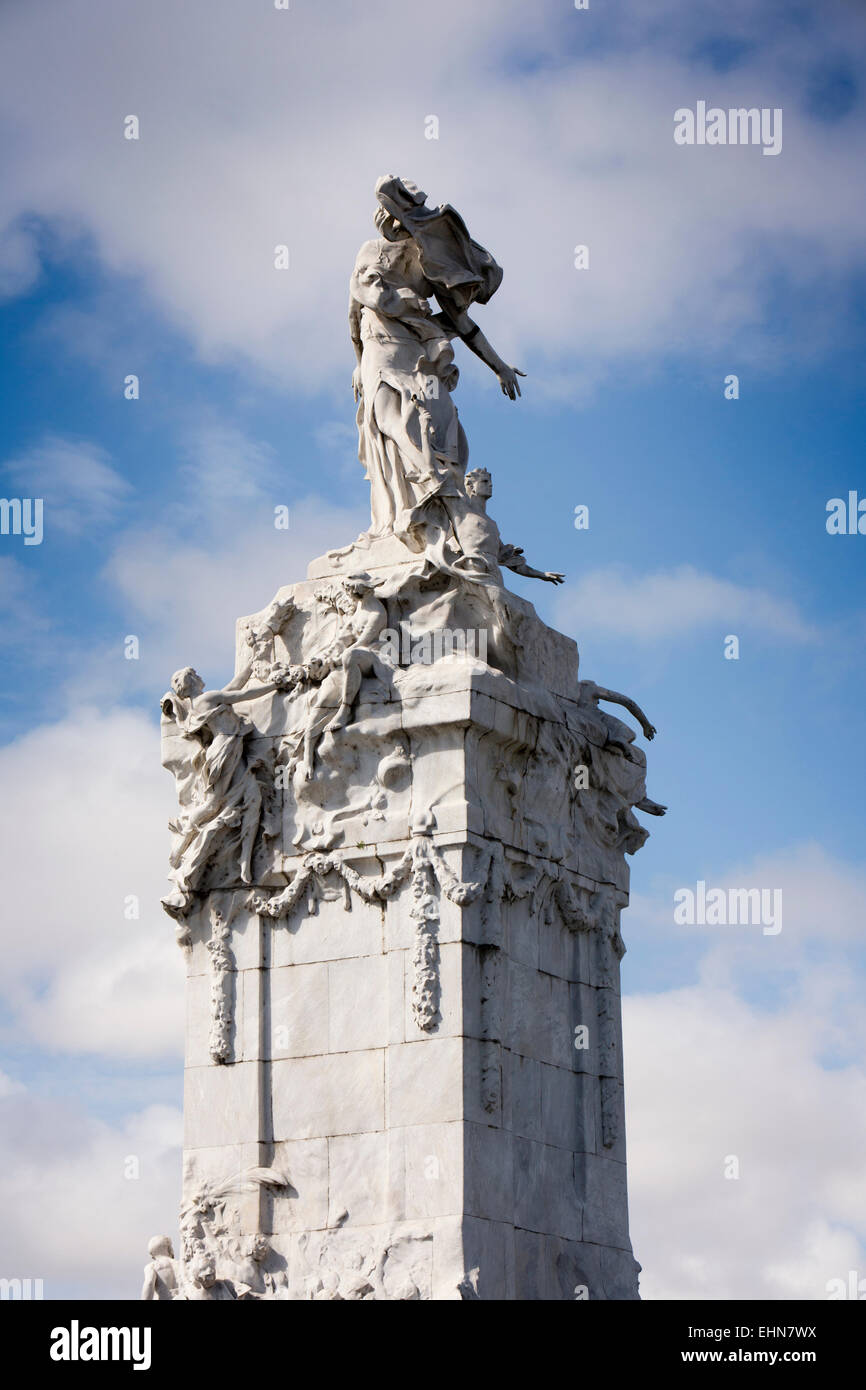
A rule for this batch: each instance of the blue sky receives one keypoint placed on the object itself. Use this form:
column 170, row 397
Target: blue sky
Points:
column 707, row 517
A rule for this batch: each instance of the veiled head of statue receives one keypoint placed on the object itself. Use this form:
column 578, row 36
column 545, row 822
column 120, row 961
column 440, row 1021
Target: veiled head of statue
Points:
column 449, row 258
column 388, row 226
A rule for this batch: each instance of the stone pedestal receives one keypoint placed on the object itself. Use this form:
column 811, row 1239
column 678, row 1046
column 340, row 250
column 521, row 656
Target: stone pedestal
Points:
column 403, row 1058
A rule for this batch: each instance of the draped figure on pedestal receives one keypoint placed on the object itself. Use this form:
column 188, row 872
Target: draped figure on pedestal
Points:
column 411, row 441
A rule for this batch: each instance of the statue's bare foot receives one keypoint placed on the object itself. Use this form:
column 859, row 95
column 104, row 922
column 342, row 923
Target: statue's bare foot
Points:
column 340, row 719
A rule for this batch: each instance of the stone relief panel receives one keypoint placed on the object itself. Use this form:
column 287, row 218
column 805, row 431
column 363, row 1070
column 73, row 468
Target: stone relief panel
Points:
column 350, row 1266
column 308, row 746
column 220, row 1261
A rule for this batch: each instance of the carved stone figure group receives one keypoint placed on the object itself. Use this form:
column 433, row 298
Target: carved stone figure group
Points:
column 219, row 794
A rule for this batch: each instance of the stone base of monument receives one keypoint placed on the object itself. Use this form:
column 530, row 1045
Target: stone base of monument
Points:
column 403, row 1058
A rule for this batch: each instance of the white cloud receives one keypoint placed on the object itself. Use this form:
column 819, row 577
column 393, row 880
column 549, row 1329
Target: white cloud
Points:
column 71, row 1215
column 224, row 470
column 82, row 828
column 824, row 899
column 183, row 599
column 9, row 1086
column 760, row 1058
column 708, row 1077
column 260, row 127
column 79, row 487
column 670, row 603
column 180, row 585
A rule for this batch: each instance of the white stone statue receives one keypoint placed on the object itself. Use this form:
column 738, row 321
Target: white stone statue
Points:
column 259, row 634
column 337, row 672
column 219, row 795
column 477, row 534
column 204, row 1286
column 589, row 694
column 434, row 837
column 251, row 1274
column 410, row 439
column 160, row 1274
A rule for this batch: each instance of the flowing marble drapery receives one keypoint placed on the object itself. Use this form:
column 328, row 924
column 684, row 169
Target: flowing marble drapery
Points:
column 411, row 441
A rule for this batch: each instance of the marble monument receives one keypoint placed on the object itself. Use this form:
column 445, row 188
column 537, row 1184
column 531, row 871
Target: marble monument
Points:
column 397, row 872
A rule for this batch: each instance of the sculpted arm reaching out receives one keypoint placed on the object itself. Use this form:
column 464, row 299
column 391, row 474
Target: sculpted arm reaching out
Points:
column 594, row 693
column 459, row 322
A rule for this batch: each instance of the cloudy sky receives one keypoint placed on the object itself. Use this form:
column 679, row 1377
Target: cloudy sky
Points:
column 262, row 127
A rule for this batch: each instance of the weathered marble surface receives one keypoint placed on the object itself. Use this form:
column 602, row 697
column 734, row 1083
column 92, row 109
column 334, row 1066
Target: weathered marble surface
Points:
column 398, row 868
column 381, row 1051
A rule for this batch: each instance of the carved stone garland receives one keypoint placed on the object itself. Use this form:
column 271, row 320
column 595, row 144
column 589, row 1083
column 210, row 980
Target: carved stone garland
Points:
column 222, row 988
column 429, row 872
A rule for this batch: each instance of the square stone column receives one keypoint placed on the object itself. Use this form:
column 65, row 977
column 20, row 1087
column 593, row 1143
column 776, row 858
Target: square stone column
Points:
column 404, row 1060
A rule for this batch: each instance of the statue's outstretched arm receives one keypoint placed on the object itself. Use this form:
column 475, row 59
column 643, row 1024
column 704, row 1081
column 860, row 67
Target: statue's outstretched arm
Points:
column 239, row 697
column 511, row 556
column 237, row 692
column 614, row 698
column 459, row 322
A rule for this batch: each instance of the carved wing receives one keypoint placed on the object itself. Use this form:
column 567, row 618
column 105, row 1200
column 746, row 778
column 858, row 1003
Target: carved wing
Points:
column 245, row 1181
column 248, row 1180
